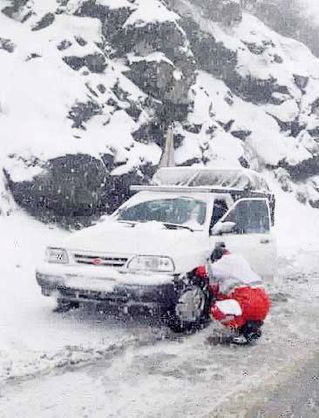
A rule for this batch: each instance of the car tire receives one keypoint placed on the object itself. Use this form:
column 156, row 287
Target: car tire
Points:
column 179, row 327
column 65, row 305
column 175, row 324
column 194, row 299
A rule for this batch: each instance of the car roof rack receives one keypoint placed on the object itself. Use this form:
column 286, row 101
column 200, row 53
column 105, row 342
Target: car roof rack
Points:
column 210, row 177
column 199, row 189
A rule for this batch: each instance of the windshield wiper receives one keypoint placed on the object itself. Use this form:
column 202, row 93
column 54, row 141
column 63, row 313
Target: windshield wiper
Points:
column 132, row 223
column 168, row 225
column 177, row 226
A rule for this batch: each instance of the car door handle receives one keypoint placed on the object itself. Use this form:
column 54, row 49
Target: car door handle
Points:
column 265, row 241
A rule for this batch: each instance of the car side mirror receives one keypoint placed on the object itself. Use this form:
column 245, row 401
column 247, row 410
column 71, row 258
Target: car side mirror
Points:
column 223, row 228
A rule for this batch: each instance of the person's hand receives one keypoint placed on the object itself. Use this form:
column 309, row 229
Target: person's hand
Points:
column 214, row 290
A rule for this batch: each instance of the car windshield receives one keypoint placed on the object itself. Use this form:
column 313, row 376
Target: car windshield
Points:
column 178, row 211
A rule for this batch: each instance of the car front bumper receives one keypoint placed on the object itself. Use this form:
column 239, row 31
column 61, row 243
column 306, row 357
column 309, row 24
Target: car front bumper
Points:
column 109, row 288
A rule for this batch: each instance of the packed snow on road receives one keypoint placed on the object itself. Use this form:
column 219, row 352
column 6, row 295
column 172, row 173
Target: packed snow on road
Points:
column 93, row 364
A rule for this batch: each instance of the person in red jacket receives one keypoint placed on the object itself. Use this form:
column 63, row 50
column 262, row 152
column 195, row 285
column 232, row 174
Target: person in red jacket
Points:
column 240, row 301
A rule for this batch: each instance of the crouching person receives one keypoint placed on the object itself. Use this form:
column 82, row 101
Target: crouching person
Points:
column 240, row 301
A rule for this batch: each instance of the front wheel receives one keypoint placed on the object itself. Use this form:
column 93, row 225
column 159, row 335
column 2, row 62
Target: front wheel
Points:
column 191, row 310
column 63, row 305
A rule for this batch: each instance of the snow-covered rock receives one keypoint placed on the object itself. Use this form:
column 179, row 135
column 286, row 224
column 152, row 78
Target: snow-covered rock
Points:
column 297, row 19
column 88, row 88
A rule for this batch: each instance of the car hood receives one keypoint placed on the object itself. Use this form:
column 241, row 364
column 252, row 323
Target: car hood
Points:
column 151, row 238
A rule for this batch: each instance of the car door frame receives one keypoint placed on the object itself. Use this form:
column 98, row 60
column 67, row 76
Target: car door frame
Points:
column 259, row 248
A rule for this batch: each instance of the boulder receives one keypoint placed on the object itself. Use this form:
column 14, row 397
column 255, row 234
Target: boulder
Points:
column 118, row 190
column 71, row 185
column 150, row 132
column 157, row 80
column 75, row 188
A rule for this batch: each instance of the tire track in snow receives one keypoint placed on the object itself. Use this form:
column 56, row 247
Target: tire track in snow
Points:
column 77, row 356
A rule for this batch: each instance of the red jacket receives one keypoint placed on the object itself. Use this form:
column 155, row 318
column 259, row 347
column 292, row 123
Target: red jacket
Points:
column 238, row 292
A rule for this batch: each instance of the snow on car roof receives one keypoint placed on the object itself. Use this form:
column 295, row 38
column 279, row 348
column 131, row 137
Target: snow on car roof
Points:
column 202, row 176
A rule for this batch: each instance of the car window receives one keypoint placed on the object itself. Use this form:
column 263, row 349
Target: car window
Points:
column 176, row 211
column 250, row 216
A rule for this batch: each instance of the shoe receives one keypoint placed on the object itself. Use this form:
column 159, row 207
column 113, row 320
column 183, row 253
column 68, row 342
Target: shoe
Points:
column 251, row 331
column 240, row 340
column 253, row 336
column 247, row 339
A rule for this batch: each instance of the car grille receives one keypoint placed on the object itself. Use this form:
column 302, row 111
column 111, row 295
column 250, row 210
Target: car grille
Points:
column 93, row 295
column 98, row 260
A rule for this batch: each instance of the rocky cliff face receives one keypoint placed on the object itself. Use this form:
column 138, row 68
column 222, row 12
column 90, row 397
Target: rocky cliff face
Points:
column 88, row 88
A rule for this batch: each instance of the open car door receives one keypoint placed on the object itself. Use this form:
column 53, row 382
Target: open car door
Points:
column 246, row 230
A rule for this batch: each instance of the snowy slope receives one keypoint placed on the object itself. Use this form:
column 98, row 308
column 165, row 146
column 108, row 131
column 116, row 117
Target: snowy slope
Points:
column 39, row 92
column 297, row 19
column 94, row 84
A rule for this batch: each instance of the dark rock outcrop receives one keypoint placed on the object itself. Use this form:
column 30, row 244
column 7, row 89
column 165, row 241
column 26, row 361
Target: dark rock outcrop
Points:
column 241, row 134
column 96, row 63
column 211, row 56
column 43, row 23
column 303, row 170
column 7, row 45
column 15, row 8
column 82, row 112
column 215, row 58
column 227, row 12
column 157, row 80
column 76, row 187
column 72, row 185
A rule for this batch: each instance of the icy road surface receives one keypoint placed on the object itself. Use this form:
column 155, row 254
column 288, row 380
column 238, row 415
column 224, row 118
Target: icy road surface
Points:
column 85, row 364
column 136, row 373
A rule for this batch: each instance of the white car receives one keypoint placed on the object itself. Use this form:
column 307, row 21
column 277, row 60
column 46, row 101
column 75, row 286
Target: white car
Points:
column 137, row 257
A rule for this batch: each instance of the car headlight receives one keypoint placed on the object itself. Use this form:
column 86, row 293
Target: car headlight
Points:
column 151, row 263
column 56, row 255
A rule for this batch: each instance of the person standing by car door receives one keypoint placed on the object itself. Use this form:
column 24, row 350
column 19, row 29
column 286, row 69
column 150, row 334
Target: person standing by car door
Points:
column 240, row 301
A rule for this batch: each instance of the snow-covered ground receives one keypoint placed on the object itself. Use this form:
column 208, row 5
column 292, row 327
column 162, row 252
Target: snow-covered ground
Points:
column 89, row 364
column 33, row 338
